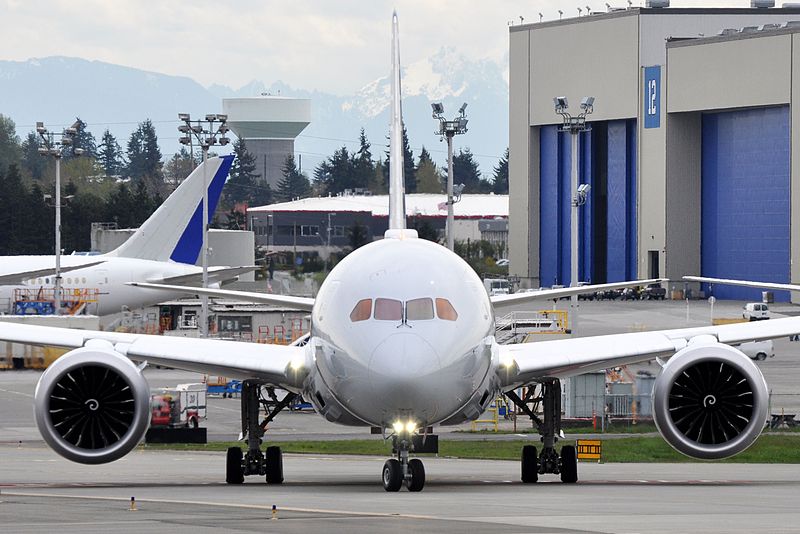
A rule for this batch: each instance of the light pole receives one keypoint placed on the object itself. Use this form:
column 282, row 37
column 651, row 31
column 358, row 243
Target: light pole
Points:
column 206, row 135
column 448, row 129
column 580, row 192
column 55, row 148
column 327, row 261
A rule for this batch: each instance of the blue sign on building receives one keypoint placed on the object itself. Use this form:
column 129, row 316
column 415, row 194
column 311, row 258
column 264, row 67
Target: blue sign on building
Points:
column 652, row 96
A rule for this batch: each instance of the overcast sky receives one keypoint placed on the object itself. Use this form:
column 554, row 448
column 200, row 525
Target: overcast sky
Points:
column 335, row 46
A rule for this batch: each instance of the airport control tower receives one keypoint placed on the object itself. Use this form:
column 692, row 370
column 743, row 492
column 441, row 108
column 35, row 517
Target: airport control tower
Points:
column 269, row 125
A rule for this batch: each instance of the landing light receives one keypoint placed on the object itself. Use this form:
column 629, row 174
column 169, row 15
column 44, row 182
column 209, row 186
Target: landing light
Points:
column 506, row 360
column 411, row 427
column 297, row 363
column 398, row 427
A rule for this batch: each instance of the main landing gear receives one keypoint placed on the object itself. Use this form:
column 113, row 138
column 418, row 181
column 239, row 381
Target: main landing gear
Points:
column 398, row 470
column 254, row 462
column 549, row 461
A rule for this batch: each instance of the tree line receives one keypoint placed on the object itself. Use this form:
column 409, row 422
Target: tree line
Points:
column 109, row 183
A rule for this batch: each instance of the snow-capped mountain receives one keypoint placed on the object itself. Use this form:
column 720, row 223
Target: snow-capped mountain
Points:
column 57, row 89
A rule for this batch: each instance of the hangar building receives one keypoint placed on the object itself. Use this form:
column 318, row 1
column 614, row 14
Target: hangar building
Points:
column 690, row 153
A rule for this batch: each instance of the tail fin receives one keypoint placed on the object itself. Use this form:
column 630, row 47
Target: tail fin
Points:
column 397, row 194
column 175, row 230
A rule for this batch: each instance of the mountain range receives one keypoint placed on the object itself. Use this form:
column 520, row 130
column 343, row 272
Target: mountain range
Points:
column 58, row 89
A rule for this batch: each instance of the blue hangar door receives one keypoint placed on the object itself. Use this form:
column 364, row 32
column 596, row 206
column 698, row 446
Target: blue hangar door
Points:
column 607, row 222
column 746, row 199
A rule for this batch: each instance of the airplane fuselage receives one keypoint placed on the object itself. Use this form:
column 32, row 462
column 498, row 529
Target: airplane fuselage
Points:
column 109, row 278
column 402, row 330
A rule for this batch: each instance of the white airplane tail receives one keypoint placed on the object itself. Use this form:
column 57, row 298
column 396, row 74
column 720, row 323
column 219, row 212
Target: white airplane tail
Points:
column 175, row 231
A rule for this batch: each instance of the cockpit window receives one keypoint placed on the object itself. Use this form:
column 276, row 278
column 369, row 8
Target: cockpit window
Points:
column 362, row 311
column 419, row 309
column 445, row 310
column 388, row 310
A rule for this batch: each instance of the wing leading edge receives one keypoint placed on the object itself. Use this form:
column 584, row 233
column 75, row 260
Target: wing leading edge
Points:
column 530, row 362
column 300, row 303
column 270, row 363
column 500, row 301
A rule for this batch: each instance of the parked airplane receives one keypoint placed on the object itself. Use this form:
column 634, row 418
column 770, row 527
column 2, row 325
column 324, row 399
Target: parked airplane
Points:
column 402, row 340
column 163, row 249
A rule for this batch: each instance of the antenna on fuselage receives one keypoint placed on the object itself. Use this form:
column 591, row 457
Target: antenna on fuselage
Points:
column 397, row 193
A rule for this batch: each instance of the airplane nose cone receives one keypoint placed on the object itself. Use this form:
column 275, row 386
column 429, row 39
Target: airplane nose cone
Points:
column 404, row 371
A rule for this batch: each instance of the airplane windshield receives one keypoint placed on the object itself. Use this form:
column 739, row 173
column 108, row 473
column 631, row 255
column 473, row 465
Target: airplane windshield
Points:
column 362, row 311
column 388, row 310
column 445, row 310
column 419, row 310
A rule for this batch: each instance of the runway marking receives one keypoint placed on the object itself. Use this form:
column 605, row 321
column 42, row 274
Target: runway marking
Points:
column 16, row 392
column 222, row 505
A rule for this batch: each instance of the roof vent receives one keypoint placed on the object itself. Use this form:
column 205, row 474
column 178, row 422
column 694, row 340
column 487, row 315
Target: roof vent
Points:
column 657, row 3
column 792, row 24
column 749, row 29
column 769, row 27
column 762, row 4
column 728, row 31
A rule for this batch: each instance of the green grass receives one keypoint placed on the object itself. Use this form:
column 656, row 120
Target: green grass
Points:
column 770, row 448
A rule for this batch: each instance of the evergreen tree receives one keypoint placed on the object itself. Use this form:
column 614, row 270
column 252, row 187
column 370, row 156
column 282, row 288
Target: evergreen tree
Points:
column 39, row 220
column 466, row 171
column 408, row 165
column 120, row 207
column 363, row 166
column 336, row 173
column 357, row 235
column 244, row 184
column 33, row 162
column 13, row 203
column 294, row 183
column 144, row 155
column 10, row 151
column 82, row 139
column 428, row 179
column 500, row 184
column 179, row 167
column 110, row 156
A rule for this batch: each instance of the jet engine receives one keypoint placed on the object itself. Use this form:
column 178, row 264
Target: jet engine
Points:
column 710, row 400
column 92, row 405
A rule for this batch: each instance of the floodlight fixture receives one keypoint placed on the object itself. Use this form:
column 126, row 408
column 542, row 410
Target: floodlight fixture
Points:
column 463, row 108
column 438, row 109
column 66, row 141
column 224, row 141
column 40, row 129
column 43, row 150
column 78, row 151
column 561, row 104
column 70, row 131
column 587, row 104
column 588, row 10
column 560, row 14
column 580, row 11
column 185, row 140
column 184, row 117
column 183, row 128
column 223, row 129
column 222, row 117
column 211, row 117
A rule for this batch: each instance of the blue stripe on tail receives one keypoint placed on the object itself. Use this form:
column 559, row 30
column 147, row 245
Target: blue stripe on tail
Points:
column 188, row 248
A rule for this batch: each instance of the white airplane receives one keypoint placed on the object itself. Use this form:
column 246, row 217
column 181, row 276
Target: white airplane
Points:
column 402, row 341
column 163, row 249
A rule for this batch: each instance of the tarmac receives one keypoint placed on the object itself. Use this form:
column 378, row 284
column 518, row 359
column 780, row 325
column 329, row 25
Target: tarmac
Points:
column 185, row 492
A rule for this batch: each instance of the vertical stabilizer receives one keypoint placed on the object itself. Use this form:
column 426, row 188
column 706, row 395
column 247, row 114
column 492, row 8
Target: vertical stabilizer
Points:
column 175, row 231
column 397, row 194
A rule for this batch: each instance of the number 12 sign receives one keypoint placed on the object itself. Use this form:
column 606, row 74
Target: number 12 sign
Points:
column 652, row 97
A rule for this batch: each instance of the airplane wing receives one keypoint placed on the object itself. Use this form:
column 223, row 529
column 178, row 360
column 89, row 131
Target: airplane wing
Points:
column 216, row 275
column 745, row 283
column 530, row 362
column 300, row 303
column 499, row 301
column 233, row 359
column 17, row 277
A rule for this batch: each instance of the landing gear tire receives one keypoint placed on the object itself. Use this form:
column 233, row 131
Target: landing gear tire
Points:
column 530, row 464
column 392, row 475
column 569, row 464
column 417, row 471
column 274, row 465
column 233, row 466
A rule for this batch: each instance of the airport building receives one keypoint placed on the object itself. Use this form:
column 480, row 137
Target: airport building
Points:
column 689, row 157
column 322, row 224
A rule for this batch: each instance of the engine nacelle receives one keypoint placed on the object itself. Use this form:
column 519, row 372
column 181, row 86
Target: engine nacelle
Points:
column 92, row 405
column 710, row 400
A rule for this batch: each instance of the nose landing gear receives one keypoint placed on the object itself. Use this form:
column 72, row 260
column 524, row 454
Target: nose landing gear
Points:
column 397, row 471
column 549, row 461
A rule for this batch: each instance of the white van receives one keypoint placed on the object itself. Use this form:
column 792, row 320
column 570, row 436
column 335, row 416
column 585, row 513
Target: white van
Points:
column 758, row 350
column 755, row 311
